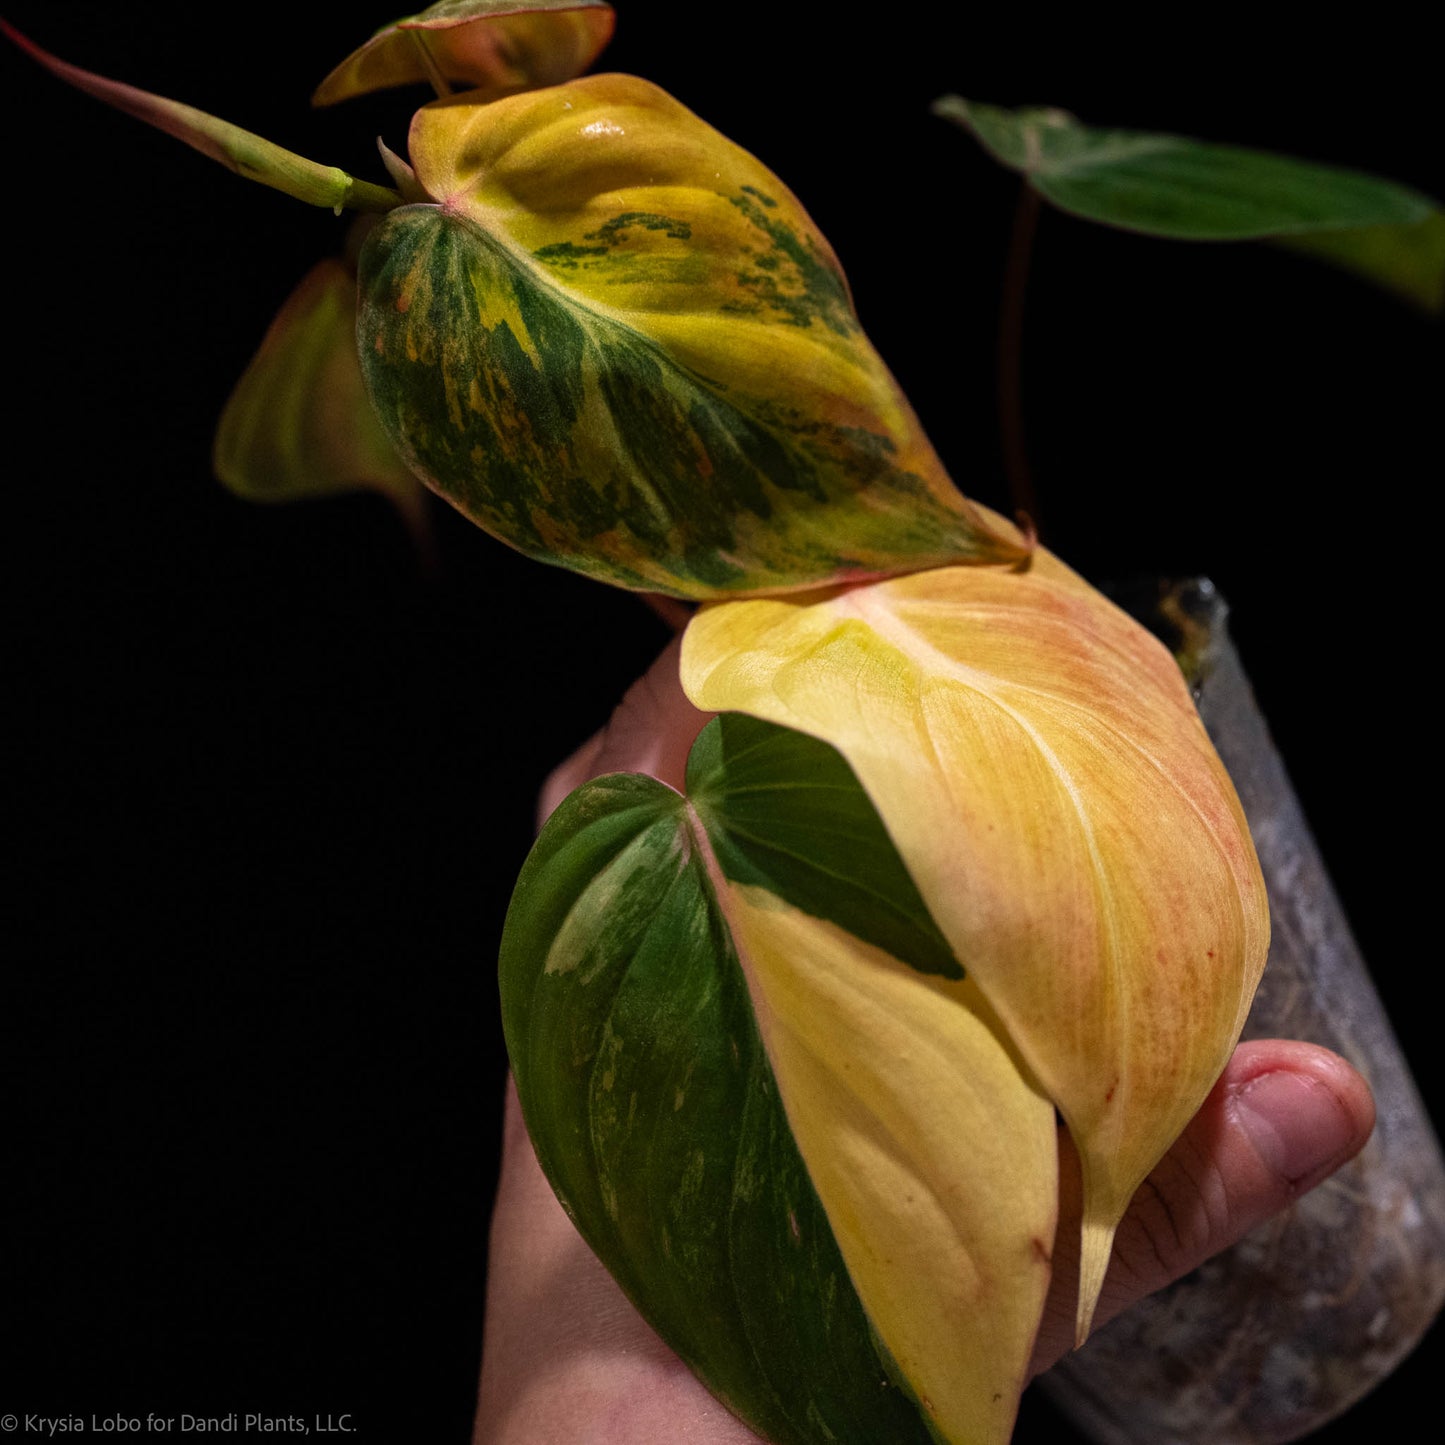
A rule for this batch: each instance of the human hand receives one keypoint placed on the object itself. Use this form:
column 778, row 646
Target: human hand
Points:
column 568, row 1358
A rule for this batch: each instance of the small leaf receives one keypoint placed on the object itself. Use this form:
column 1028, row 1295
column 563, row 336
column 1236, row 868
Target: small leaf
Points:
column 495, row 47
column 1036, row 758
column 238, row 150
column 299, row 424
column 1172, row 186
column 619, row 344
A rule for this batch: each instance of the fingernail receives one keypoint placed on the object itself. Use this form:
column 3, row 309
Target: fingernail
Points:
column 1296, row 1123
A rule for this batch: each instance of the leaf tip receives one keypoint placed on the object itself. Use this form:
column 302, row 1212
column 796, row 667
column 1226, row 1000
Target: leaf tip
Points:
column 951, row 107
column 1029, row 541
column 1096, row 1245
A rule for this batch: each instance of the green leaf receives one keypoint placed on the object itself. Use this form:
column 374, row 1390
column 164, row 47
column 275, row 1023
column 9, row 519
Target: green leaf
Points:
column 238, row 150
column 299, row 424
column 654, row 1112
column 619, row 344
column 785, row 812
column 1409, row 260
column 1172, row 186
column 495, row 47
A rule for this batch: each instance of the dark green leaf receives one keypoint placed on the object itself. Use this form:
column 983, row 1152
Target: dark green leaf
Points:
column 656, row 1117
column 784, row 811
column 1172, row 186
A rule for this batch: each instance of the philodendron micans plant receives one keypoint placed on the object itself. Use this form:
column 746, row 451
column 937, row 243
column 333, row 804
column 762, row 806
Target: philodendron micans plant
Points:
column 956, row 854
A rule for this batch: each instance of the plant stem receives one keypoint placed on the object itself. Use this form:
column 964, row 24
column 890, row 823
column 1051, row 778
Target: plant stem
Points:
column 674, row 612
column 1010, row 355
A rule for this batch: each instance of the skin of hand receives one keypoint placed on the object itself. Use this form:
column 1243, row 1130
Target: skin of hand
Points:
column 569, row 1360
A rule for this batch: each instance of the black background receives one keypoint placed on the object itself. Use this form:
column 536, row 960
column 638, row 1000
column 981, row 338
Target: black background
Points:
column 273, row 781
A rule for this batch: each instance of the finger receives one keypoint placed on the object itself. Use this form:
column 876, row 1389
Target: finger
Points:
column 651, row 731
column 1283, row 1117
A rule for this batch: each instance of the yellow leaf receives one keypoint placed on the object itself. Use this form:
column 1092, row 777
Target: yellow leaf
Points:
column 1038, row 762
column 934, row 1156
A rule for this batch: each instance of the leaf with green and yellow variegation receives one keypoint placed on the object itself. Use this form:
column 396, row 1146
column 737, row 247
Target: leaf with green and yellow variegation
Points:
column 1185, row 189
column 1038, row 762
column 492, row 46
column 618, row 343
column 248, row 155
column 775, row 1104
column 299, row 425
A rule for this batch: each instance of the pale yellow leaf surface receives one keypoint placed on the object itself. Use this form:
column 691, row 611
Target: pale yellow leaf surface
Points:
column 934, row 1155
column 1038, row 761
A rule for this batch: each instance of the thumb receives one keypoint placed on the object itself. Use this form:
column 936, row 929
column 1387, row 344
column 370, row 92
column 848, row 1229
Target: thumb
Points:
column 1282, row 1117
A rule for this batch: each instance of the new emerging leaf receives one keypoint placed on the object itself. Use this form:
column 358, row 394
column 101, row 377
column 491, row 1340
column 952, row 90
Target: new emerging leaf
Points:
column 247, row 154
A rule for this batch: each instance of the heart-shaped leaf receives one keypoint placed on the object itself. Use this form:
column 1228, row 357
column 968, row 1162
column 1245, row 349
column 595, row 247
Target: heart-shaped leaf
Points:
column 1172, row 186
column 817, row 1169
column 494, row 47
column 618, row 343
column 1037, row 761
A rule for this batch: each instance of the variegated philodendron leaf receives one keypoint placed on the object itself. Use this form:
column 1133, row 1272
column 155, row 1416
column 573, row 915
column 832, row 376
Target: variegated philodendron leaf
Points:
column 299, row 424
column 1038, row 762
column 808, row 1156
column 1173, row 186
column 618, row 343
column 495, row 47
